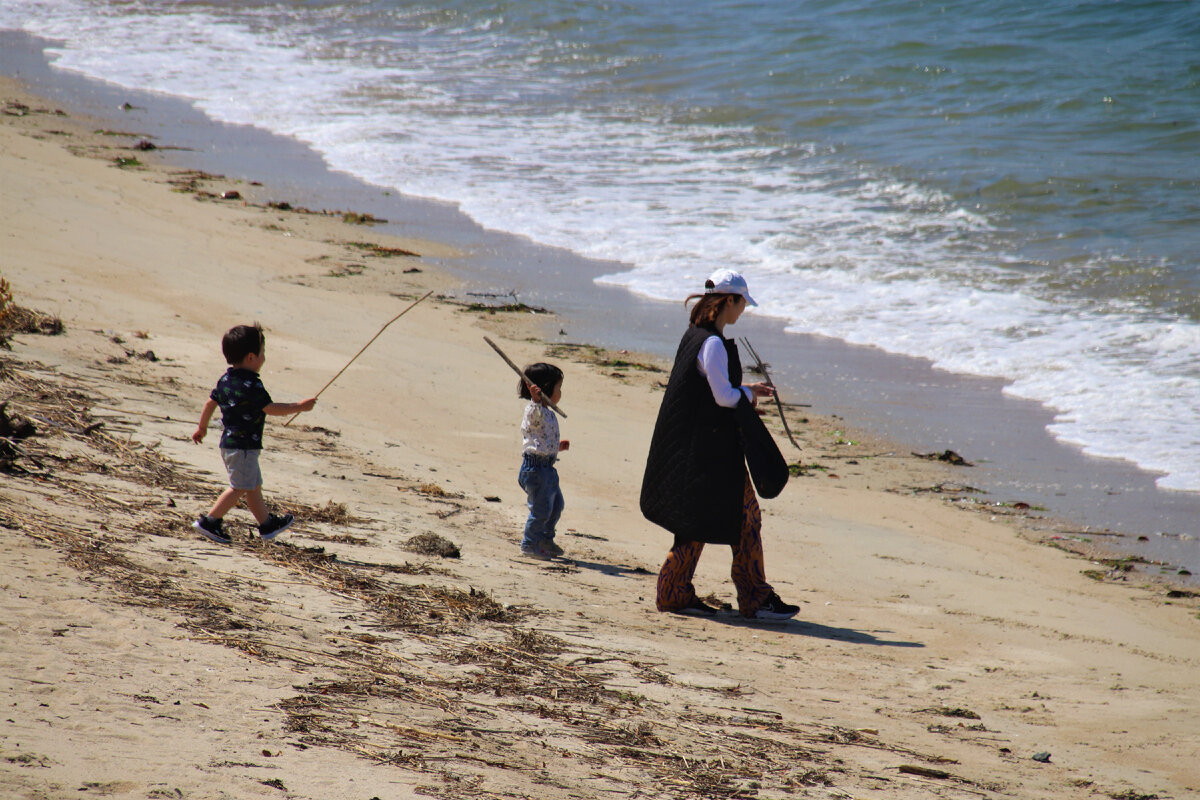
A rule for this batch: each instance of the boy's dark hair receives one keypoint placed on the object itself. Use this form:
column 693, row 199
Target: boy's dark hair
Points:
column 242, row 340
column 546, row 376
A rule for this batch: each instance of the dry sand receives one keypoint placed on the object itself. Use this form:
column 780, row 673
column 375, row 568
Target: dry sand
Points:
column 938, row 649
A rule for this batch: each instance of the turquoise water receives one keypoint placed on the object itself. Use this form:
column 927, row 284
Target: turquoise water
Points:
column 1005, row 189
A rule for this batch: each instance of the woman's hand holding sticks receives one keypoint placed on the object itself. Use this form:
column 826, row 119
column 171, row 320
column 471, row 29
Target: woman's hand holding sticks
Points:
column 767, row 382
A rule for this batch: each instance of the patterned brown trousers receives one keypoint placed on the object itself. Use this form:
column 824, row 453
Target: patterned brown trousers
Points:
column 675, row 589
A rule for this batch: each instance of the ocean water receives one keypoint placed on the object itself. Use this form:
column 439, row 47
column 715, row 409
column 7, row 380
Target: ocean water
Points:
column 1007, row 189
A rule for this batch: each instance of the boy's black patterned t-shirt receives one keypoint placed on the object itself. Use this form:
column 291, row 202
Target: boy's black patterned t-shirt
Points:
column 242, row 397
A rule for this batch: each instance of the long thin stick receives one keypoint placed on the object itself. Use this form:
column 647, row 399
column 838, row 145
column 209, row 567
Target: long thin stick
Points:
column 767, row 379
column 360, row 352
column 524, row 377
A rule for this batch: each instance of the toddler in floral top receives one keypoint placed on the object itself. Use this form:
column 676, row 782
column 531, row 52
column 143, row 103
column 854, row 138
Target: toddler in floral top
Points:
column 540, row 448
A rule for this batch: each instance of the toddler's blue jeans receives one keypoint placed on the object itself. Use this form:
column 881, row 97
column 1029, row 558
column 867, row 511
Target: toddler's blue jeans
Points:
column 539, row 479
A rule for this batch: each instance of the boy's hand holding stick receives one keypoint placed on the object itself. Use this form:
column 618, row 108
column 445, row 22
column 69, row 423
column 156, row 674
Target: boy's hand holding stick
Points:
column 533, row 387
column 762, row 368
column 360, row 352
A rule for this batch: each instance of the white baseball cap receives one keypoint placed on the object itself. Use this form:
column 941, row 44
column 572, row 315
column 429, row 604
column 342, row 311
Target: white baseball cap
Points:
column 726, row 281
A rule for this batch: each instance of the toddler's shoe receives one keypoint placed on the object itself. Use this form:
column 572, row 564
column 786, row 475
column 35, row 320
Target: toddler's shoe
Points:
column 552, row 548
column 537, row 551
column 212, row 529
column 274, row 526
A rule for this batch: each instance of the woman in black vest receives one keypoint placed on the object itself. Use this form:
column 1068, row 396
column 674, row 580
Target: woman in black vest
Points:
column 696, row 484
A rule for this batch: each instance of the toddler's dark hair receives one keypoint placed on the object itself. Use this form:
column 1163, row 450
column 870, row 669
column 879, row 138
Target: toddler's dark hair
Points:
column 546, row 376
column 242, row 340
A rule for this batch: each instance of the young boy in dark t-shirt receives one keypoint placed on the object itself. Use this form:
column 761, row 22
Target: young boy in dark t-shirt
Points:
column 244, row 405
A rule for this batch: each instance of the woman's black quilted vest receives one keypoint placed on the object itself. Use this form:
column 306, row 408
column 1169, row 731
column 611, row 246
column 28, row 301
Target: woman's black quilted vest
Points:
column 695, row 475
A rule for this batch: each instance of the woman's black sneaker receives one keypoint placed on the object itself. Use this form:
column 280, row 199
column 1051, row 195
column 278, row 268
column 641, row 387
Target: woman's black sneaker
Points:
column 274, row 526
column 698, row 608
column 212, row 529
column 776, row 609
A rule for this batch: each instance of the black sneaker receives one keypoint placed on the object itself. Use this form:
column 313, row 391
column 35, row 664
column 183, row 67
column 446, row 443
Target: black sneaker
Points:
column 274, row 526
column 213, row 529
column 699, row 608
column 552, row 549
column 776, row 609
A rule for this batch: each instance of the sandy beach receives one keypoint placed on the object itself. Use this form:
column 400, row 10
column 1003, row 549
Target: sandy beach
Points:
column 941, row 646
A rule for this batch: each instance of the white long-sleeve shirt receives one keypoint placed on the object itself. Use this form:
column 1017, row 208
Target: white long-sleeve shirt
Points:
column 539, row 431
column 713, row 363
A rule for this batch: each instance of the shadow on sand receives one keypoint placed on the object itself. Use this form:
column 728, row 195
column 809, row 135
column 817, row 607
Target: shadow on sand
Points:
column 798, row 627
column 794, row 627
column 618, row 570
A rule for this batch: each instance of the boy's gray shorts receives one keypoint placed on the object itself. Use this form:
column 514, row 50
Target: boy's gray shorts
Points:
column 242, row 466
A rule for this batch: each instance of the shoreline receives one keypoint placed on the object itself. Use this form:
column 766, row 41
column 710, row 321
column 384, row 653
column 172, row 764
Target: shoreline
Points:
column 930, row 639
column 903, row 399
